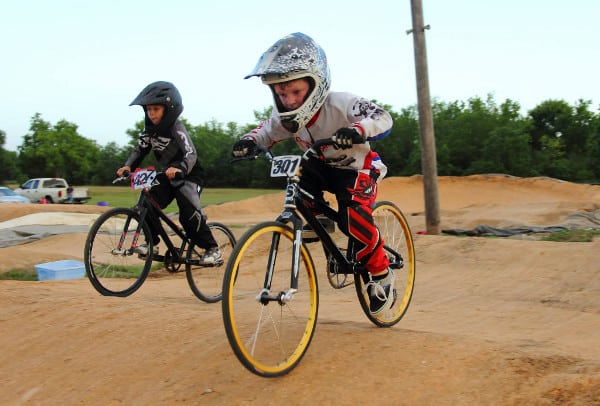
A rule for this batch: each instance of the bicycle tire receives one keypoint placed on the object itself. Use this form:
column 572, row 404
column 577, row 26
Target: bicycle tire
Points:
column 396, row 234
column 269, row 339
column 112, row 272
column 206, row 282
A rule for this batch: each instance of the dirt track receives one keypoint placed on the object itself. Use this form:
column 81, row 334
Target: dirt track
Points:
column 493, row 321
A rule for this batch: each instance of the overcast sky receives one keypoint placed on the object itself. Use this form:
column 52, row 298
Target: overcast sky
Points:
column 85, row 61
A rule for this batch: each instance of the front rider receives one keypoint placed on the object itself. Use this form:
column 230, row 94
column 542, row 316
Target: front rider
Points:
column 296, row 71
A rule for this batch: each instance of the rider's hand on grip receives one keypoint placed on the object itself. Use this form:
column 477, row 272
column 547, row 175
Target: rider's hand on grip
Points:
column 243, row 147
column 345, row 137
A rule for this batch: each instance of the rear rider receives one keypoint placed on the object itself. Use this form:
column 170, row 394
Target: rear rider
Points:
column 173, row 148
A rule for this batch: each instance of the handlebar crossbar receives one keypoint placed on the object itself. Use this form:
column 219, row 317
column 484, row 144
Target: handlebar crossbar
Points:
column 314, row 149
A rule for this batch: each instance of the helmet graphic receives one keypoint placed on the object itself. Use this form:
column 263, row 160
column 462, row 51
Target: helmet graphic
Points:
column 164, row 93
column 296, row 56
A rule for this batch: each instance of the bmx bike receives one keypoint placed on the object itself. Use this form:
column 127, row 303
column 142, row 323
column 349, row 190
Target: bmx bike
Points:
column 270, row 290
column 115, row 269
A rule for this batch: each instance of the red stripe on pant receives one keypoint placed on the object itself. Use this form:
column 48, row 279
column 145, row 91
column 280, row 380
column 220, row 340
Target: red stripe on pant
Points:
column 370, row 249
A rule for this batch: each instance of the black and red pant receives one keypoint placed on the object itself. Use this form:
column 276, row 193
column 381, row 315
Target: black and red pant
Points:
column 356, row 192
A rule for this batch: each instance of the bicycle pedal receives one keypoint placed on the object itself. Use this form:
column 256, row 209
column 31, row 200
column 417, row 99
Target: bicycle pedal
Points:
column 214, row 264
column 396, row 264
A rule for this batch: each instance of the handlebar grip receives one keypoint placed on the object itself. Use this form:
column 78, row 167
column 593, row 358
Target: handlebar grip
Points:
column 255, row 153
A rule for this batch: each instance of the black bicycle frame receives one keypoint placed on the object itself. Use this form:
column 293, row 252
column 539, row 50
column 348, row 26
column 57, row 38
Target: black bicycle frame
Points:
column 294, row 204
column 295, row 198
column 150, row 210
column 345, row 260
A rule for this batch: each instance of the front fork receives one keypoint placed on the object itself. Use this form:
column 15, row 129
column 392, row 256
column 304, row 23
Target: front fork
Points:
column 120, row 250
column 289, row 215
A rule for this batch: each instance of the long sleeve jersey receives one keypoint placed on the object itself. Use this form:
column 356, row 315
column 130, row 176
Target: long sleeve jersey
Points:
column 173, row 148
column 339, row 110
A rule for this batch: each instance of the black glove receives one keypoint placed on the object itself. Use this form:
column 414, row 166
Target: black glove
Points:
column 346, row 137
column 243, row 147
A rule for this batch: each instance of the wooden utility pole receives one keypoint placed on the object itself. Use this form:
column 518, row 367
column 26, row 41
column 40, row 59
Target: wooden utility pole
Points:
column 428, row 154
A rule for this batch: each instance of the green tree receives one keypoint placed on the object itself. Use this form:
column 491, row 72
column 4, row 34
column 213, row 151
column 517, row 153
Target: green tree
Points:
column 560, row 139
column 593, row 151
column 213, row 145
column 57, row 151
column 550, row 119
column 110, row 158
column 553, row 139
column 506, row 147
column 461, row 131
column 8, row 163
column 3, row 157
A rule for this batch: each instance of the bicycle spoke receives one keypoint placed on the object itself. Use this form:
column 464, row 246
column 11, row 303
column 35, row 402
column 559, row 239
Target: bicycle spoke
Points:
column 269, row 339
column 111, row 265
column 395, row 232
column 206, row 282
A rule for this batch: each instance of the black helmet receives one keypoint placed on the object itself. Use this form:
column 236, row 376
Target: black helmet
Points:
column 164, row 93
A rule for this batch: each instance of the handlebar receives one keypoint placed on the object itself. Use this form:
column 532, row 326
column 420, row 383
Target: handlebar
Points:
column 126, row 174
column 315, row 149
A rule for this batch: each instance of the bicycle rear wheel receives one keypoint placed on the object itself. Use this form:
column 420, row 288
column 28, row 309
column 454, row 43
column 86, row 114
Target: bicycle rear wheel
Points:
column 111, row 265
column 396, row 235
column 206, row 281
column 269, row 337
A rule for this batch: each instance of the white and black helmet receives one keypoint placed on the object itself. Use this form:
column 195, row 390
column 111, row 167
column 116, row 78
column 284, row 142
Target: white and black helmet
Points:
column 296, row 56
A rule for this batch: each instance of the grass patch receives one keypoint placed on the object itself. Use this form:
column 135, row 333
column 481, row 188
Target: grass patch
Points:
column 572, row 236
column 19, row 275
column 124, row 196
column 124, row 271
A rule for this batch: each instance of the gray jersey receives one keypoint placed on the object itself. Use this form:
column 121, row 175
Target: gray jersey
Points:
column 174, row 148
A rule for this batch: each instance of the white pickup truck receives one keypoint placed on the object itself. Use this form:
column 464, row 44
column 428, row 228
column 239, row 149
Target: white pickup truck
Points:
column 52, row 190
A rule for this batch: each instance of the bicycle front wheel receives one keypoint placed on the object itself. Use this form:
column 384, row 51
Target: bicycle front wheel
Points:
column 110, row 264
column 396, row 235
column 206, row 281
column 269, row 326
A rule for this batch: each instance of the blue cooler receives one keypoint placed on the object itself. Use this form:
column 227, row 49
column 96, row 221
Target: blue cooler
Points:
column 65, row 269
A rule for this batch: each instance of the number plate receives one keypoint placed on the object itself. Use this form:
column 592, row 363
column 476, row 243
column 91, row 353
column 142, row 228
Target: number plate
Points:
column 143, row 177
column 285, row 165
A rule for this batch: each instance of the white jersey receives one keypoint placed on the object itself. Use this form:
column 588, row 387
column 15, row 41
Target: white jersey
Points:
column 339, row 110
